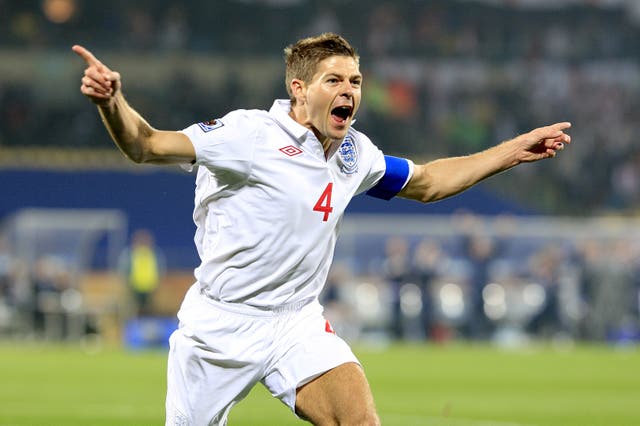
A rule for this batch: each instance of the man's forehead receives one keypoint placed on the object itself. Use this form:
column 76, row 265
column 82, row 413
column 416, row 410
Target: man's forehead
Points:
column 338, row 64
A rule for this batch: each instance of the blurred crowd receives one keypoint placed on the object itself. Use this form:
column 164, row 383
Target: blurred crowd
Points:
column 490, row 30
column 46, row 292
column 441, row 77
column 487, row 280
column 506, row 280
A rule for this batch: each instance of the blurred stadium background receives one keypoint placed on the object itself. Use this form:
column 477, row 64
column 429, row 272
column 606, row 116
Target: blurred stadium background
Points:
column 549, row 252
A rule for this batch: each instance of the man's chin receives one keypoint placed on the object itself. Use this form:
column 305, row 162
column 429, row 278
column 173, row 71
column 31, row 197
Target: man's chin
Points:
column 339, row 134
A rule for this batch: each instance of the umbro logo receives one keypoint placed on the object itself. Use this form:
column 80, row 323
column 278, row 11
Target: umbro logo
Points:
column 290, row 150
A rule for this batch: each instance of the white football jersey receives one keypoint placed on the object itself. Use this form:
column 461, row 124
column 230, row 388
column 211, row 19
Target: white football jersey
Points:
column 268, row 203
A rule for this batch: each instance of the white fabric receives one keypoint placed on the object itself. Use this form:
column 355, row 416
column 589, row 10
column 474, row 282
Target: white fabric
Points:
column 217, row 358
column 260, row 241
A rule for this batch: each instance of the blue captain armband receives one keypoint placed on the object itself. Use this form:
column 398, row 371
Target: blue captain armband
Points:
column 396, row 175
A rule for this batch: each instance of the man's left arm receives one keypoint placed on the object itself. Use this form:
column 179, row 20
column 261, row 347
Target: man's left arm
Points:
column 443, row 178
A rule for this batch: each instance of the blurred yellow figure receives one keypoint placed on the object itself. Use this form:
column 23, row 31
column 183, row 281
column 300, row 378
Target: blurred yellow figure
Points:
column 142, row 265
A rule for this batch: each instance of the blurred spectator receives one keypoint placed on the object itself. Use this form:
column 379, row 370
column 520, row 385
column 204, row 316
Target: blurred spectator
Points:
column 545, row 269
column 610, row 284
column 142, row 265
column 625, row 182
column 7, row 286
column 49, row 278
column 479, row 252
column 386, row 33
column 325, row 20
column 174, row 31
column 7, row 273
column 397, row 271
column 140, row 29
column 429, row 260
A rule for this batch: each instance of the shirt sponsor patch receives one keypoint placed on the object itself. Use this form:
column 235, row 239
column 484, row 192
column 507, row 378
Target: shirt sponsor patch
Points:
column 348, row 156
column 210, row 125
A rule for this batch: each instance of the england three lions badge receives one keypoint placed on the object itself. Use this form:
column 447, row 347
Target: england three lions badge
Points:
column 348, row 156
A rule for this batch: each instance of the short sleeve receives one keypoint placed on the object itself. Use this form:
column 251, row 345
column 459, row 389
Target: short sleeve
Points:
column 225, row 143
column 376, row 167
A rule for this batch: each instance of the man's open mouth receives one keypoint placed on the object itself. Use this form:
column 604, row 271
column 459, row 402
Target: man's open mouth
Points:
column 341, row 113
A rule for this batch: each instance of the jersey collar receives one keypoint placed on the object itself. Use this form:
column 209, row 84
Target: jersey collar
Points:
column 280, row 111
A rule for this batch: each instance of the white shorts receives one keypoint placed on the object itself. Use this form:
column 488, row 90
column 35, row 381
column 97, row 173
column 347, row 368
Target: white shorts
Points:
column 220, row 351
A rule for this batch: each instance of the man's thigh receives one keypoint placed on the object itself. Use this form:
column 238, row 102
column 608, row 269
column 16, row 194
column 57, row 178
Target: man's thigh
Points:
column 215, row 358
column 202, row 384
column 306, row 348
column 339, row 396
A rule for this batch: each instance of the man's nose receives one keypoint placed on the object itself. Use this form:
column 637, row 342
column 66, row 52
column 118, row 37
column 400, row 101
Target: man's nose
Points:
column 347, row 90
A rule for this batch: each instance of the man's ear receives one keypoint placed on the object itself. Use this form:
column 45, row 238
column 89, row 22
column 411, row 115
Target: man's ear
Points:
column 298, row 90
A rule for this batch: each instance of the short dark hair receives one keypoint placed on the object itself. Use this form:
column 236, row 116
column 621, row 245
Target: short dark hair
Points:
column 303, row 57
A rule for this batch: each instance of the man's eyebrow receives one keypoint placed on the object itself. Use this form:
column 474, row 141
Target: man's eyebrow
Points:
column 335, row 74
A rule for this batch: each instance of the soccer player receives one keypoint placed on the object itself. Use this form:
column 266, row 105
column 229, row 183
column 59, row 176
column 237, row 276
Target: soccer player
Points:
column 271, row 189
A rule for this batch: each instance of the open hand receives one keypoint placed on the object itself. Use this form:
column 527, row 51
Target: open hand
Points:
column 100, row 84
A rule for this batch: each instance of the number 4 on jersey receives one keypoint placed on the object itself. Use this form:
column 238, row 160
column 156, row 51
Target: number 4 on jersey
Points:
column 323, row 205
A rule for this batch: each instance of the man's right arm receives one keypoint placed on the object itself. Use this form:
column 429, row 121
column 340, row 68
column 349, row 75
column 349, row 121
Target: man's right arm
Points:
column 131, row 133
column 445, row 177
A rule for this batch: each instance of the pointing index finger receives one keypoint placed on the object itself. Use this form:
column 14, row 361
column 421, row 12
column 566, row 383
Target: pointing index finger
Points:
column 555, row 130
column 86, row 55
column 562, row 126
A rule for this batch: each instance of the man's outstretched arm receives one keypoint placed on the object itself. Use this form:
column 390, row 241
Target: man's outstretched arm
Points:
column 443, row 178
column 132, row 134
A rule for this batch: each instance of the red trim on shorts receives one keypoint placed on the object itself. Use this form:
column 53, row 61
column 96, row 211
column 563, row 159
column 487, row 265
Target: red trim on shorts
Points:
column 328, row 328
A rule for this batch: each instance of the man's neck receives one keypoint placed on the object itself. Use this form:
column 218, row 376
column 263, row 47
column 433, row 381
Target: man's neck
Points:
column 299, row 116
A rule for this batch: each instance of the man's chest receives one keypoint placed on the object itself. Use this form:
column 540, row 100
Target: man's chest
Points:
column 298, row 181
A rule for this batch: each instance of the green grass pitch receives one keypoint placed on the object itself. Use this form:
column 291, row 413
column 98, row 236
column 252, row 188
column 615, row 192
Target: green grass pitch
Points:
column 452, row 385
